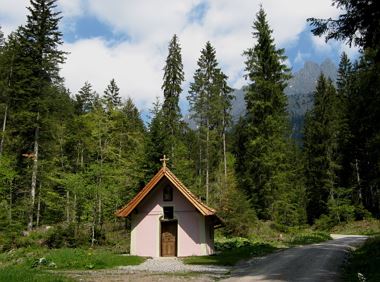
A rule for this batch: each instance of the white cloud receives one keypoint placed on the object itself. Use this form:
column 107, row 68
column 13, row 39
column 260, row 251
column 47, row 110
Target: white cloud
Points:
column 12, row 14
column 71, row 8
column 136, row 69
column 137, row 63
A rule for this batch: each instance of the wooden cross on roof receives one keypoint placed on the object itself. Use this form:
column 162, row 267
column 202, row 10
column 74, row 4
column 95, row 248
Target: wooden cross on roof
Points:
column 164, row 160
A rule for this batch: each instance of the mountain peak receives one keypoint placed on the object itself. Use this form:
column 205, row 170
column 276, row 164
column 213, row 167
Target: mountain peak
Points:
column 304, row 81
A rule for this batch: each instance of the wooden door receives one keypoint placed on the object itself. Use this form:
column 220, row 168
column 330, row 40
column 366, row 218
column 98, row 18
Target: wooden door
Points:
column 169, row 238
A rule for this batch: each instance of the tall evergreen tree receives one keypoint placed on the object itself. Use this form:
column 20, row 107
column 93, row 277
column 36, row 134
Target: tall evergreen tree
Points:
column 344, row 89
column 85, row 99
column 261, row 154
column 208, row 98
column 321, row 146
column 173, row 78
column 40, row 39
column 112, row 95
column 358, row 24
column 2, row 39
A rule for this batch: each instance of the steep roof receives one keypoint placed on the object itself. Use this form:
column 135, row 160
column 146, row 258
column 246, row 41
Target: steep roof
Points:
column 165, row 172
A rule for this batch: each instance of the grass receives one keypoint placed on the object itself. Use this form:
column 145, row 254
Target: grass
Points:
column 364, row 263
column 32, row 264
column 89, row 259
column 306, row 238
column 362, row 227
column 67, row 258
column 22, row 274
column 232, row 256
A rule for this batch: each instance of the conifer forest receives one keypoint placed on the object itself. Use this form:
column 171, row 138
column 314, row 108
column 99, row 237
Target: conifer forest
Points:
column 73, row 159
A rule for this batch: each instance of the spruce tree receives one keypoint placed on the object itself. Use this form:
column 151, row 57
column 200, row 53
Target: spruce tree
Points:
column 261, row 152
column 173, row 78
column 111, row 95
column 40, row 39
column 358, row 24
column 2, row 39
column 321, row 145
column 344, row 89
column 208, row 97
column 85, row 99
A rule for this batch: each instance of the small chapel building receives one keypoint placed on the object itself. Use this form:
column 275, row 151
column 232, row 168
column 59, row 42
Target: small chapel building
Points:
column 168, row 220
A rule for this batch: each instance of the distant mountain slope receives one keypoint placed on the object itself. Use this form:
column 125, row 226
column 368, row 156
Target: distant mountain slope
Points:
column 299, row 91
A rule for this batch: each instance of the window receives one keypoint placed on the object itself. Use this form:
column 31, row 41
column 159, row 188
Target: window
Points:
column 168, row 212
column 168, row 194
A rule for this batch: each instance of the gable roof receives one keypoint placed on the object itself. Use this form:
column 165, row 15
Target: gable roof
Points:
column 165, row 172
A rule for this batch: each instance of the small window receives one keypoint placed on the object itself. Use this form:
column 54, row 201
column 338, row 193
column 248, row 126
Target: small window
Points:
column 168, row 212
column 168, row 194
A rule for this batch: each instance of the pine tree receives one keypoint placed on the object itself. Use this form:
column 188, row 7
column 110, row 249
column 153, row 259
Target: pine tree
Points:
column 344, row 89
column 261, row 152
column 173, row 78
column 2, row 39
column 40, row 39
column 208, row 98
column 85, row 99
column 358, row 25
column 111, row 95
column 321, row 149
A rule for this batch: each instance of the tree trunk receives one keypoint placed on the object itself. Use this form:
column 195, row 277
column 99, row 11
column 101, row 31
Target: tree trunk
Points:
column 3, row 130
column 358, row 180
column 207, row 160
column 38, row 207
column 93, row 231
column 10, row 202
column 68, row 206
column 34, row 175
column 224, row 152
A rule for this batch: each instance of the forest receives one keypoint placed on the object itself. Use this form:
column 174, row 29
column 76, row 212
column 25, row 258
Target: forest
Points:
column 70, row 160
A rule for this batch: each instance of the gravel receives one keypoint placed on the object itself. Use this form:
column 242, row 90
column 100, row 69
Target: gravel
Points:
column 170, row 265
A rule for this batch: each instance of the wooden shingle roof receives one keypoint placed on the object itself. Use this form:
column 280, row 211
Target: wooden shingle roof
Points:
column 165, row 172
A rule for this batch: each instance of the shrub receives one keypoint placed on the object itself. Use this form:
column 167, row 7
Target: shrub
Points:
column 68, row 235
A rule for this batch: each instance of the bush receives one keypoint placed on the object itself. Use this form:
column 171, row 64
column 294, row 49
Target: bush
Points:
column 325, row 223
column 364, row 262
column 68, row 235
column 232, row 243
column 309, row 238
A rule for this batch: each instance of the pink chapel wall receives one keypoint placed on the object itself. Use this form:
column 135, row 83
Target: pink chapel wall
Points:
column 193, row 230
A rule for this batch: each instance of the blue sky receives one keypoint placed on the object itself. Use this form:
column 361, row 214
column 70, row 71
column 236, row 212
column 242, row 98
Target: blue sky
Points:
column 127, row 39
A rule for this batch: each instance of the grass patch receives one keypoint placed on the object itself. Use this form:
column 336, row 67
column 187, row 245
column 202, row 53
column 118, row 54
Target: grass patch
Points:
column 364, row 263
column 89, row 259
column 22, row 274
column 362, row 227
column 66, row 258
column 309, row 238
column 232, row 251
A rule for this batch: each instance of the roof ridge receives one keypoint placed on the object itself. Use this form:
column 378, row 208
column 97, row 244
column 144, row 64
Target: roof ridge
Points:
column 165, row 171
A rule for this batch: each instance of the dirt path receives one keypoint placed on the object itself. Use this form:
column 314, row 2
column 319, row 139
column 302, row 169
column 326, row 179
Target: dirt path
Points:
column 122, row 276
column 312, row 263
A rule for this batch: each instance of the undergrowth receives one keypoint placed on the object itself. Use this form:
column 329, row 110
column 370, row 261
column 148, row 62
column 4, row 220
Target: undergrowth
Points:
column 364, row 263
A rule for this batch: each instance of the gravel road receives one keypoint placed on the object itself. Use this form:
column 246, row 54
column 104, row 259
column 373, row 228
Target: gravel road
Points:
column 312, row 263
column 157, row 269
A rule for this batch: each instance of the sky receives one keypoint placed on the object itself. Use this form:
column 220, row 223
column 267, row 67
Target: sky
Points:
column 128, row 39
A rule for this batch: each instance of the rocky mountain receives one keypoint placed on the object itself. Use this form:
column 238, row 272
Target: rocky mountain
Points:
column 299, row 91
